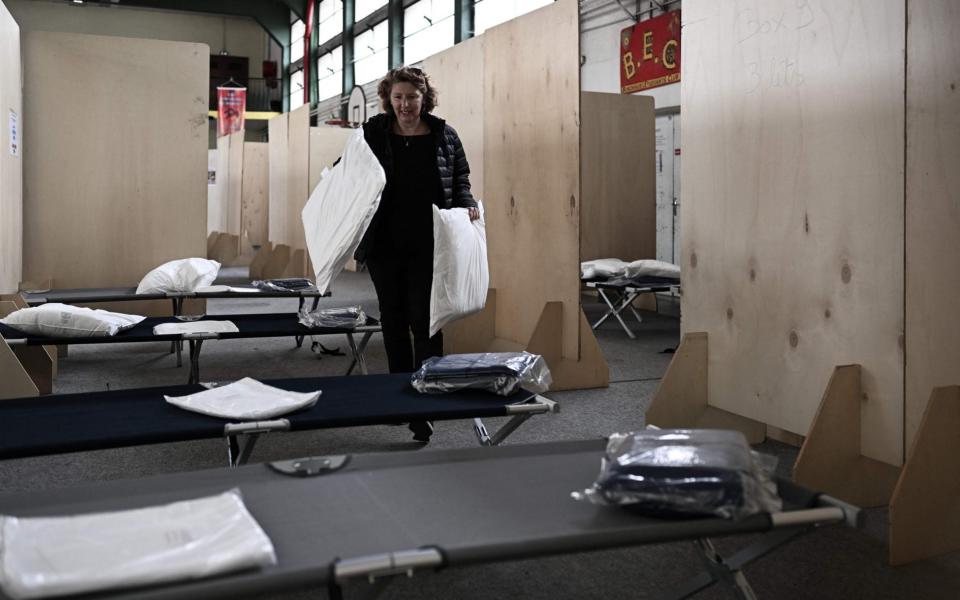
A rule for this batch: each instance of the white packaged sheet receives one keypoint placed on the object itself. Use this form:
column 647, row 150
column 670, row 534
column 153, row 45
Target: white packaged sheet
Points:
column 56, row 556
column 460, row 273
column 195, row 327
column 246, row 399
column 340, row 209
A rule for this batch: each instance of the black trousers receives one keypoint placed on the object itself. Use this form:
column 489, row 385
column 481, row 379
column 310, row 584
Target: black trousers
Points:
column 403, row 284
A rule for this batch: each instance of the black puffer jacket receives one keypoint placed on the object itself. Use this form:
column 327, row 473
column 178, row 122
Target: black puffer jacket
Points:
column 453, row 171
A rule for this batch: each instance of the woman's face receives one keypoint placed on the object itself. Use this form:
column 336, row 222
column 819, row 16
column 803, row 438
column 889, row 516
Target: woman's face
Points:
column 407, row 102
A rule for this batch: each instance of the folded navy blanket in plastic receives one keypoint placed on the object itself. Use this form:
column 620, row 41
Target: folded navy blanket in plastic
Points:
column 499, row 372
column 677, row 472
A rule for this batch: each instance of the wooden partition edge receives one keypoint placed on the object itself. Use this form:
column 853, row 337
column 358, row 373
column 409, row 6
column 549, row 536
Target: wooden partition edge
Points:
column 297, row 265
column 681, row 399
column 260, row 260
column 925, row 506
column 473, row 333
column 39, row 362
column 277, row 263
column 212, row 242
column 830, row 459
column 226, row 248
column 15, row 382
column 589, row 370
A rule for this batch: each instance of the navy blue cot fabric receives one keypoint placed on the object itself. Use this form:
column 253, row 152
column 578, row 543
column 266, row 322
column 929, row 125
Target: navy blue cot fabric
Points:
column 97, row 420
column 642, row 281
column 93, row 295
column 252, row 325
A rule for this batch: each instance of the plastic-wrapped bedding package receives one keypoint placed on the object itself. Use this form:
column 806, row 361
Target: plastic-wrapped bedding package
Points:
column 502, row 373
column 56, row 556
column 346, row 317
column 460, row 275
column 683, row 473
column 290, row 284
column 340, row 209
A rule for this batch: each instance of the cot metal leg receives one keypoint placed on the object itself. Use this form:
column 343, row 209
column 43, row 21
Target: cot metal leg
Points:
column 194, row 376
column 177, row 346
column 357, row 351
column 623, row 302
column 299, row 340
column 501, row 434
column 729, row 570
column 237, row 453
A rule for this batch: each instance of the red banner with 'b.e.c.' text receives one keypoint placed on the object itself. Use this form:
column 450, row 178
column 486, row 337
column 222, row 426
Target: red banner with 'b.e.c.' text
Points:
column 650, row 53
column 231, row 109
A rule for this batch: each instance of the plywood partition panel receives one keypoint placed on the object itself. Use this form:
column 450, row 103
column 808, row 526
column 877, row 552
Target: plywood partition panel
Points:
column 792, row 212
column 216, row 215
column 234, row 180
column 618, row 214
column 11, row 155
column 458, row 75
column 933, row 218
column 531, row 151
column 277, row 158
column 115, row 149
column 298, row 175
column 255, row 193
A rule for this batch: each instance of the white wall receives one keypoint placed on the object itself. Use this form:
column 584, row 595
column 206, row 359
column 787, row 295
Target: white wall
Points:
column 239, row 36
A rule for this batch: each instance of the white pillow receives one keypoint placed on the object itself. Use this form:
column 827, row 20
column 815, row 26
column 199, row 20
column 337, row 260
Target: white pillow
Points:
column 602, row 267
column 652, row 268
column 184, row 275
column 460, row 273
column 64, row 320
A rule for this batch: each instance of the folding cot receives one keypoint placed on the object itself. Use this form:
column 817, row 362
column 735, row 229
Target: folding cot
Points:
column 344, row 519
column 619, row 293
column 129, row 294
column 126, row 294
column 97, row 420
column 250, row 326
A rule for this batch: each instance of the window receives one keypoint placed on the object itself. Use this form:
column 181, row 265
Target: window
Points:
column 362, row 8
column 331, row 19
column 427, row 28
column 370, row 53
column 297, row 30
column 487, row 13
column 296, row 89
column 330, row 74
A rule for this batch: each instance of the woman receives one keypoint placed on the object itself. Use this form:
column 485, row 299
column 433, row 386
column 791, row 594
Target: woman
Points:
column 425, row 165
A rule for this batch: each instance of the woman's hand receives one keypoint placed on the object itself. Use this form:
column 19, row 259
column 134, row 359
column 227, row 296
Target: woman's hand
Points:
column 474, row 213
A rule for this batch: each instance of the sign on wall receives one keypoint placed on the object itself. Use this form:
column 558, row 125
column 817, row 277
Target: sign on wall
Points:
column 650, row 53
column 231, row 109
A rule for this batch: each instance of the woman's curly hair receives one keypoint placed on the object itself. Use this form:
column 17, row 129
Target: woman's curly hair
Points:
column 414, row 76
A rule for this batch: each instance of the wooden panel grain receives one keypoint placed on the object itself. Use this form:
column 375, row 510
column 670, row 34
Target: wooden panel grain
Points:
column 255, row 193
column 277, row 153
column 792, row 210
column 531, row 149
column 932, row 207
column 234, row 193
column 618, row 212
column 461, row 99
column 115, row 143
column 298, row 174
column 11, row 166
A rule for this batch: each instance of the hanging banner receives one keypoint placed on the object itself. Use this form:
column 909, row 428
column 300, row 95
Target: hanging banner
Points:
column 231, row 109
column 650, row 53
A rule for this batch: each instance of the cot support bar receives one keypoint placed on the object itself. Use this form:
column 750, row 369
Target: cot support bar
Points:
column 521, row 412
column 357, row 350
